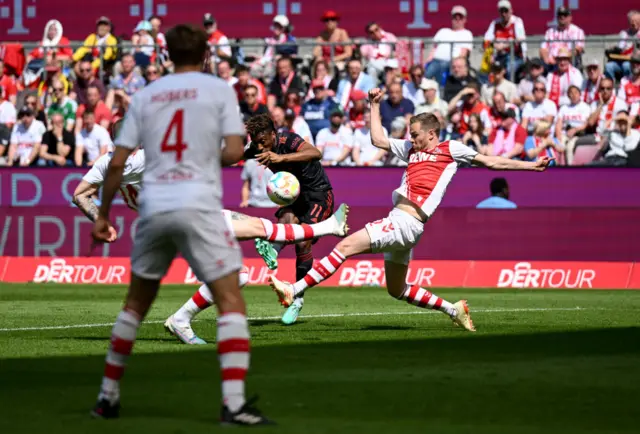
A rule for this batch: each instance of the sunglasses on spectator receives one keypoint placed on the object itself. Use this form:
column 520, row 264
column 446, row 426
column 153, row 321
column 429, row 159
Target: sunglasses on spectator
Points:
column 326, row 20
column 458, row 17
column 58, row 89
column 85, row 70
column 374, row 30
column 252, row 94
column 30, row 102
column 503, row 10
column 541, row 89
column 152, row 72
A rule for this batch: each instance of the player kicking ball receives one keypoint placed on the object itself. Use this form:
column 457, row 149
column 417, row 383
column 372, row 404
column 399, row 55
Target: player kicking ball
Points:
column 241, row 226
column 431, row 166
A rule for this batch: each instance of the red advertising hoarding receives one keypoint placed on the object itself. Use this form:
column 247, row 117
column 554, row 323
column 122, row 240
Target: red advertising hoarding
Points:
column 24, row 20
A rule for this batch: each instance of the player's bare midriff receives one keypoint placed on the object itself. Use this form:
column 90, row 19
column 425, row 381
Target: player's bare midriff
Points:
column 411, row 208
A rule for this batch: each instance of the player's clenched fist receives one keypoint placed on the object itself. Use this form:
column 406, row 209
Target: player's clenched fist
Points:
column 375, row 95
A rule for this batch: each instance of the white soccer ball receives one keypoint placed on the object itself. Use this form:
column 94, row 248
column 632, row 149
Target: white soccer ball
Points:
column 283, row 188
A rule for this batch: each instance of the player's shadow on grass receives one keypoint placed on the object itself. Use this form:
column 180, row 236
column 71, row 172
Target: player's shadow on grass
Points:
column 586, row 380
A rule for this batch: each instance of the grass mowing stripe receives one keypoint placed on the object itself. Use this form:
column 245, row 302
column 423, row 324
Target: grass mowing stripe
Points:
column 327, row 315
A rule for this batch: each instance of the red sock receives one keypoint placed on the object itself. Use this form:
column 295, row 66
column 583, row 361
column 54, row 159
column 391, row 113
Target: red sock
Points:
column 420, row 297
column 321, row 271
column 233, row 352
column 289, row 233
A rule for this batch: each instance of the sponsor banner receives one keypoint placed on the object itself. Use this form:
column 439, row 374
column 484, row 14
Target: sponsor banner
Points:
column 564, row 275
column 354, row 272
column 25, row 21
column 562, row 187
column 634, row 277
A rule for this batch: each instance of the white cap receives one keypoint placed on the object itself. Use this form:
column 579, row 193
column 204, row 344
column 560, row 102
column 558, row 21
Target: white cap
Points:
column 392, row 63
column 282, row 20
column 593, row 62
column 427, row 84
column 398, row 123
column 504, row 4
column 459, row 10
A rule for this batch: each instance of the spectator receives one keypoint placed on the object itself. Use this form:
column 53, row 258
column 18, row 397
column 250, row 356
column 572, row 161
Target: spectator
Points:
column 8, row 114
column 31, row 101
column 628, row 38
column 53, row 72
column 535, row 70
column 223, row 71
column 467, row 102
column 335, row 142
column 459, row 78
column 411, row 89
column 26, row 138
column 508, row 140
column 292, row 102
column 501, row 31
column 618, row 142
column 475, row 137
column 379, row 51
column 358, row 107
column 285, row 80
column 606, row 109
column 244, row 80
column 63, row 105
column 282, row 43
column 392, row 74
column 542, row 143
column 58, row 144
column 317, row 111
column 563, row 35
column 565, row 75
column 591, row 85
column 541, row 108
column 498, row 82
column 499, row 196
column 218, row 41
column 249, row 105
column 8, row 83
column 450, row 130
column 53, row 44
column 152, row 73
column 355, row 80
column 124, row 85
column 5, row 140
column 400, row 131
column 364, row 153
column 442, row 52
column 571, row 121
column 334, row 35
column 432, row 101
column 156, row 33
column 277, row 114
column 296, row 124
column 143, row 44
column 395, row 106
column 499, row 106
column 92, row 142
column 84, row 80
column 630, row 85
column 97, row 106
column 320, row 71
column 99, row 44
column 255, row 177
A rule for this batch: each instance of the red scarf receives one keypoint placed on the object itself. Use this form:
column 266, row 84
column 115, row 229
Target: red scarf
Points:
column 587, row 90
column 285, row 86
column 608, row 115
column 554, row 92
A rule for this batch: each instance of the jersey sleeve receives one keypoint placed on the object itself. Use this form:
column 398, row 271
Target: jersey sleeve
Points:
column 294, row 142
column 400, row 148
column 246, row 170
column 96, row 175
column 130, row 132
column 461, row 153
column 231, row 120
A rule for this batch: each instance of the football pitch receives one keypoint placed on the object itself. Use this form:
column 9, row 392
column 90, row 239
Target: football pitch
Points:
column 357, row 361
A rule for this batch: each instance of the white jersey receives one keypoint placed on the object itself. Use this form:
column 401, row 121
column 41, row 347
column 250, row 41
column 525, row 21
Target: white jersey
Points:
column 574, row 115
column 131, row 179
column 93, row 141
column 534, row 111
column 180, row 121
column 428, row 173
column 362, row 141
column 555, row 39
column 333, row 144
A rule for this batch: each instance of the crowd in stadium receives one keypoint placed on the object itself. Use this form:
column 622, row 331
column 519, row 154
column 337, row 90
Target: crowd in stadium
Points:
column 58, row 109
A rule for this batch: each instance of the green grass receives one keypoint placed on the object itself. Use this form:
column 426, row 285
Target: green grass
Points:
column 537, row 364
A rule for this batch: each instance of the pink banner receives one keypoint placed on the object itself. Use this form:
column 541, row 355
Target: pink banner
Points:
column 452, row 234
column 22, row 20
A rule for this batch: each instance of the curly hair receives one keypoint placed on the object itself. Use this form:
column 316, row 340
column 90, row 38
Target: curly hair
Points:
column 260, row 124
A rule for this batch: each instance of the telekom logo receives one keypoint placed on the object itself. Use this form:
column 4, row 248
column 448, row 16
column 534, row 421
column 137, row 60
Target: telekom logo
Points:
column 21, row 9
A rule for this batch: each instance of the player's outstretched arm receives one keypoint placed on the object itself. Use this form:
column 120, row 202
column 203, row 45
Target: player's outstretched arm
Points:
column 378, row 138
column 501, row 163
column 82, row 199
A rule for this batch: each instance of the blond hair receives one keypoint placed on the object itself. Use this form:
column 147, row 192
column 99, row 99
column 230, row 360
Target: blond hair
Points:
column 541, row 128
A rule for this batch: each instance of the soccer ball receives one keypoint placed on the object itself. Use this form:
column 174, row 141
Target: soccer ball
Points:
column 283, row 188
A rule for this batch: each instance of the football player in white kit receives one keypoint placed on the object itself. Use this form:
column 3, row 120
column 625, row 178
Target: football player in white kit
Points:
column 431, row 166
column 180, row 121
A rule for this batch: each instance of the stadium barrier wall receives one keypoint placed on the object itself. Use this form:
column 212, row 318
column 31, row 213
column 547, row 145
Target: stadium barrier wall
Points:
column 561, row 187
column 546, row 234
column 354, row 272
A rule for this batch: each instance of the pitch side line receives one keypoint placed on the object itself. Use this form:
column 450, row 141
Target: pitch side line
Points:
column 327, row 315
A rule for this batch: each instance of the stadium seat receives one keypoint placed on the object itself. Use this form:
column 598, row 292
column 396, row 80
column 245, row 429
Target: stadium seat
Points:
column 584, row 154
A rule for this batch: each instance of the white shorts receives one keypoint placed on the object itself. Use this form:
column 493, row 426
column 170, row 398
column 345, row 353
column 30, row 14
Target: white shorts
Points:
column 228, row 220
column 395, row 235
column 202, row 238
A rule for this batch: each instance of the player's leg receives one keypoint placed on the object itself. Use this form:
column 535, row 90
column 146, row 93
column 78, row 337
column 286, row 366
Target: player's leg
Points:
column 354, row 244
column 395, row 269
column 179, row 324
column 151, row 257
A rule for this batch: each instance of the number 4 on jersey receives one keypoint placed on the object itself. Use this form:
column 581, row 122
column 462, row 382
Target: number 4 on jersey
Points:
column 176, row 125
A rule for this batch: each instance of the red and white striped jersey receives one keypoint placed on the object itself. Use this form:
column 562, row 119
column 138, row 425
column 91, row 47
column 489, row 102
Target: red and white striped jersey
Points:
column 131, row 179
column 555, row 39
column 629, row 92
column 428, row 172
